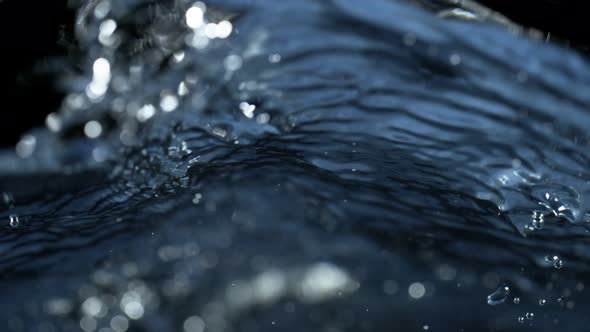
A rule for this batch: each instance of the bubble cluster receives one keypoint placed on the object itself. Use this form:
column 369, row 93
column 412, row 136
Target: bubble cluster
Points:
column 537, row 220
column 555, row 260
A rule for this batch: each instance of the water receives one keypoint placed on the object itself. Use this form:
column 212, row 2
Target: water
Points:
column 499, row 296
column 304, row 165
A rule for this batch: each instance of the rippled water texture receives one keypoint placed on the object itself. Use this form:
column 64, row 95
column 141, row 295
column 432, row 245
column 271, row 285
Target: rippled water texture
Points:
column 301, row 165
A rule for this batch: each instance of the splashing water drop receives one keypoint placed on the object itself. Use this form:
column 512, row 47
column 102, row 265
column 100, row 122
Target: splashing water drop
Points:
column 499, row 296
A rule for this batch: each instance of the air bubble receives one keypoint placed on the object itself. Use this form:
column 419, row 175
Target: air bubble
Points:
column 555, row 260
column 499, row 296
column 529, row 315
column 8, row 199
column 197, row 198
column 516, row 300
column 542, row 302
column 233, row 62
column 274, row 58
column 538, row 221
column 14, row 221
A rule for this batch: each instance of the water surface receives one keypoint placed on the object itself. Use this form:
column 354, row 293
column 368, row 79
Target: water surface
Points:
column 301, row 165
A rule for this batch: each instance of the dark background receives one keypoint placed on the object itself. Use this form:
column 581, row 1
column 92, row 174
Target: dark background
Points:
column 31, row 34
column 34, row 32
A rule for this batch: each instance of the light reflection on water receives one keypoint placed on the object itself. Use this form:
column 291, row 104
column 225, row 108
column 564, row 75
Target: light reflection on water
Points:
column 302, row 165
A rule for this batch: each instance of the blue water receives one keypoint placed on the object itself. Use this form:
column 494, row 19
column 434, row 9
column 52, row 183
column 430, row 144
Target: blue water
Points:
column 331, row 166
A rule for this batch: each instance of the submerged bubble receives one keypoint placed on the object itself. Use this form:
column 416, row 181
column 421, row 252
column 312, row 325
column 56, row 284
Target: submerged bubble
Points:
column 499, row 296
column 14, row 221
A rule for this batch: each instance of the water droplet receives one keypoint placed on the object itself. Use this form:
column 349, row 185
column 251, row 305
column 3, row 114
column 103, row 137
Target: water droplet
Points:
column 26, row 146
column 499, row 296
column 14, row 221
column 516, row 300
column 529, row 315
column 560, row 300
column 521, row 320
column 542, row 302
column 558, row 264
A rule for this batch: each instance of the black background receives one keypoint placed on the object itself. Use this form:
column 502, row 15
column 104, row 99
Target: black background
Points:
column 32, row 32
